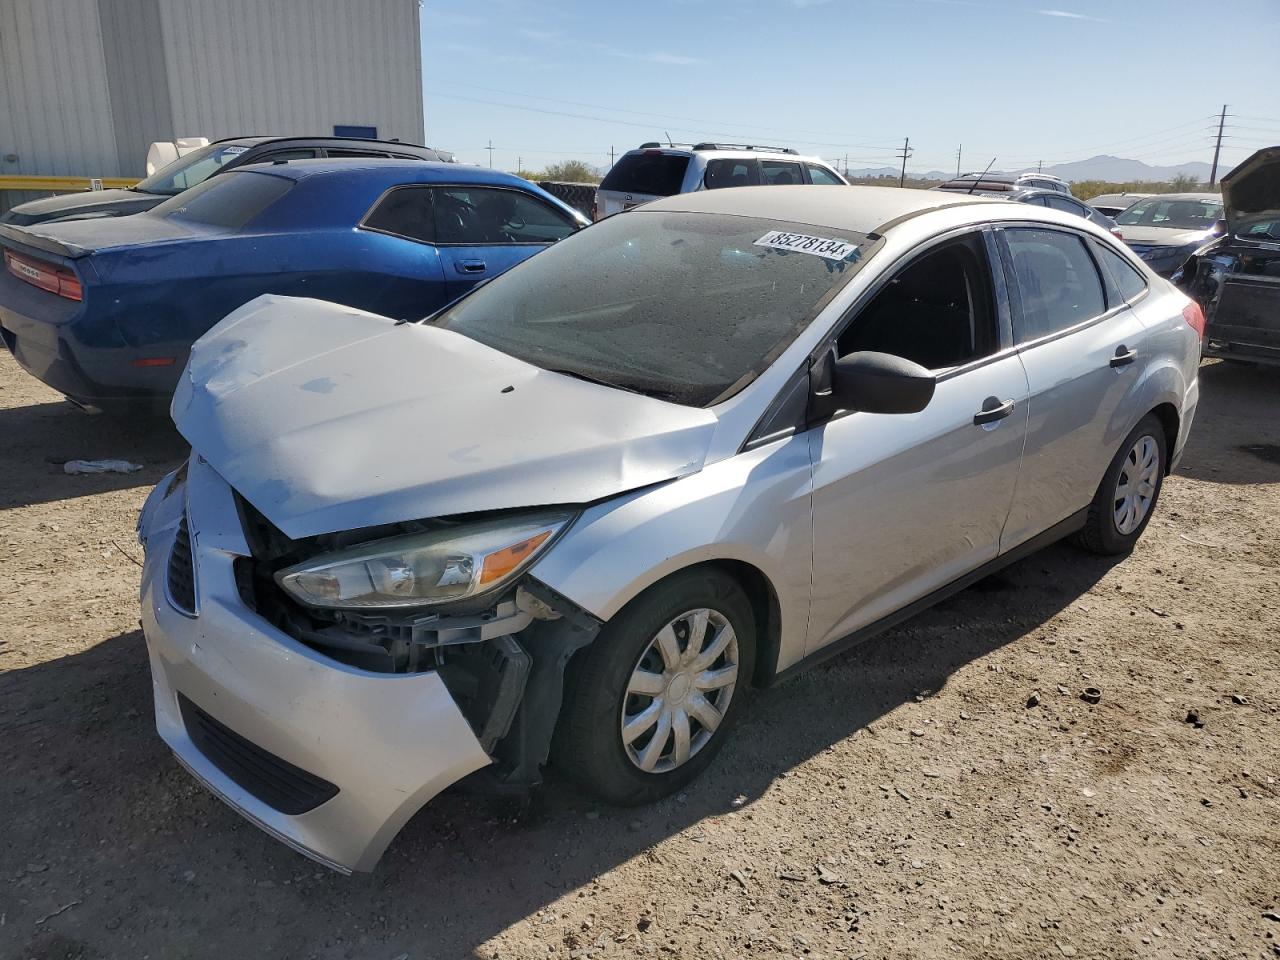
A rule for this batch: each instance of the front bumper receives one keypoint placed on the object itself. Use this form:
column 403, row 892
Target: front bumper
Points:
column 387, row 743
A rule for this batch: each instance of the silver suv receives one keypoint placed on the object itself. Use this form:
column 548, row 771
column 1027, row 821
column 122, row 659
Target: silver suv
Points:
column 654, row 171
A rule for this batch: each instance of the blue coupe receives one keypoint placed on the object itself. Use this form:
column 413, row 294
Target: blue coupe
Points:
column 105, row 311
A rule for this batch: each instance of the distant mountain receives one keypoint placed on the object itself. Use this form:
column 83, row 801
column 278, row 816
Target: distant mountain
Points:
column 1121, row 170
column 1113, row 169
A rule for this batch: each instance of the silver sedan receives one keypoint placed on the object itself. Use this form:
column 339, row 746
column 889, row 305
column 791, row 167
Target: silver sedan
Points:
column 574, row 516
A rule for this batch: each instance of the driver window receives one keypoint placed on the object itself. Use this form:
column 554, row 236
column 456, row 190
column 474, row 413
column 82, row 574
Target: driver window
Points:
column 938, row 311
column 482, row 215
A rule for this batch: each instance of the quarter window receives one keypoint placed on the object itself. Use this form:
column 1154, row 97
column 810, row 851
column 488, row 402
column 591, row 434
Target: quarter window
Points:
column 1058, row 284
column 937, row 312
column 484, row 215
column 777, row 173
column 1127, row 278
column 405, row 212
column 731, row 173
column 821, row 175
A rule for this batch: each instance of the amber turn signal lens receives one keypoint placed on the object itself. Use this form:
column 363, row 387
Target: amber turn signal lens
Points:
column 501, row 562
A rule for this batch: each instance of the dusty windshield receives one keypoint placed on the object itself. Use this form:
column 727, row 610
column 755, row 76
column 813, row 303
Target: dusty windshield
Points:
column 1178, row 214
column 185, row 172
column 685, row 307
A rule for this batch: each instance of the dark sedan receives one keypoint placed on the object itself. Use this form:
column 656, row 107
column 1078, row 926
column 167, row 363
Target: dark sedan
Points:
column 198, row 165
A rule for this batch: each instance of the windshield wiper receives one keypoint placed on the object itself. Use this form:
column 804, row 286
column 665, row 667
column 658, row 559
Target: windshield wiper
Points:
column 579, row 375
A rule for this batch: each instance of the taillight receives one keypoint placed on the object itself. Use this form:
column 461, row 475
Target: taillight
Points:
column 1195, row 317
column 1115, row 232
column 46, row 276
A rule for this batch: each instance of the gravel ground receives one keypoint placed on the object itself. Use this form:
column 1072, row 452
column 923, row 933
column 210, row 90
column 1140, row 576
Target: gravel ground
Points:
column 904, row 800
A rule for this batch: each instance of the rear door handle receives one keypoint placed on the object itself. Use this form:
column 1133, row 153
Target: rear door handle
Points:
column 1124, row 356
column 993, row 409
column 470, row 266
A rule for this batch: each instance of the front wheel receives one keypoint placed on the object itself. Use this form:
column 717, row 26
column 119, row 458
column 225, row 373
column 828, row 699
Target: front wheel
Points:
column 1127, row 496
column 653, row 699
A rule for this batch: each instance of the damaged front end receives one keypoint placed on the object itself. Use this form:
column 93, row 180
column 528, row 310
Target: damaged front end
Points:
column 1236, row 278
column 501, row 655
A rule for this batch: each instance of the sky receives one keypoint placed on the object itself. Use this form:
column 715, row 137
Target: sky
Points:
column 1021, row 82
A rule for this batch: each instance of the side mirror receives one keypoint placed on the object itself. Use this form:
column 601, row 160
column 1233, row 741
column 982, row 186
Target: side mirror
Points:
column 1219, row 228
column 881, row 383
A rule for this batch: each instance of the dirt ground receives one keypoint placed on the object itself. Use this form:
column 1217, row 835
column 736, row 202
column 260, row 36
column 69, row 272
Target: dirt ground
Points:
column 903, row 801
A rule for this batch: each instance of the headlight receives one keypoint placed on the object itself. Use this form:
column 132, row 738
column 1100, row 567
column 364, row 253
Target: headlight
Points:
column 425, row 568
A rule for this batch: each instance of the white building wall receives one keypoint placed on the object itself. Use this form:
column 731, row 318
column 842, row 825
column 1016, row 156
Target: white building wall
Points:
column 55, row 114
column 293, row 67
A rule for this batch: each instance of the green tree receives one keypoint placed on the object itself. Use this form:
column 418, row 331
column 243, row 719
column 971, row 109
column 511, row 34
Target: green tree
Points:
column 570, row 171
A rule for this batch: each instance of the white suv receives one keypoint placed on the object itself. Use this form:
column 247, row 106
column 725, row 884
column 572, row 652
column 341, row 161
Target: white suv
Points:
column 654, row 171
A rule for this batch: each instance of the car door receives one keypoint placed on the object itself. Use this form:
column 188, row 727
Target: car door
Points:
column 905, row 504
column 484, row 231
column 408, row 281
column 1079, row 349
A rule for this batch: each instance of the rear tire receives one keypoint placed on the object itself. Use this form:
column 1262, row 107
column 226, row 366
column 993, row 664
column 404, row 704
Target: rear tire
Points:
column 1130, row 489
column 663, row 667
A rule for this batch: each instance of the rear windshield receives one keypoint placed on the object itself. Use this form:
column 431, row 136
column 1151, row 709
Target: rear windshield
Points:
column 1178, row 214
column 657, row 174
column 686, row 307
column 187, row 171
column 231, row 200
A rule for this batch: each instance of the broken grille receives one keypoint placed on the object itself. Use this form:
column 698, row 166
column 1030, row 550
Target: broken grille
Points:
column 182, row 574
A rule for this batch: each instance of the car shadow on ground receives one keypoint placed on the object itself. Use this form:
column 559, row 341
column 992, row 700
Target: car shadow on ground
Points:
column 53, row 433
column 1238, row 413
column 90, row 790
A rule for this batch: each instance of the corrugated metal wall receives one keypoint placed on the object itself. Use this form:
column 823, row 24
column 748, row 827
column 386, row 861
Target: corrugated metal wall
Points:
column 293, row 66
column 55, row 115
column 86, row 85
column 138, row 84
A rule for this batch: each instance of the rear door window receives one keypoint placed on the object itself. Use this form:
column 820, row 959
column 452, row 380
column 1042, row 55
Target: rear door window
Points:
column 485, row 215
column 404, row 212
column 1058, row 283
column 778, row 173
column 822, row 175
column 725, row 172
column 344, row 152
column 1067, row 206
column 300, row 153
column 654, row 173
column 231, row 200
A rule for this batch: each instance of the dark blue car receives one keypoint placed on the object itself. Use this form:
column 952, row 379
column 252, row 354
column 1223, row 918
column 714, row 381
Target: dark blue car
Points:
column 105, row 311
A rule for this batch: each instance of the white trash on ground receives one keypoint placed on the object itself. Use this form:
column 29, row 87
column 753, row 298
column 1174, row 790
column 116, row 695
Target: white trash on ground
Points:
column 100, row 466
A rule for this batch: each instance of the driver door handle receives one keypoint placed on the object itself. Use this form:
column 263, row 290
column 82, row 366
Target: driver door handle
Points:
column 1124, row 356
column 470, row 266
column 993, row 409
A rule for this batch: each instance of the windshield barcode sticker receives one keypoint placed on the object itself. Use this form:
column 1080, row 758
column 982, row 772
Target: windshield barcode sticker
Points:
column 831, row 249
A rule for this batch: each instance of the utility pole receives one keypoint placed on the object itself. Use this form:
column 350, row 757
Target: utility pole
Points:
column 519, row 165
column 1039, row 166
column 610, row 155
column 846, row 166
column 906, row 152
column 490, row 149
column 959, row 151
column 1217, row 147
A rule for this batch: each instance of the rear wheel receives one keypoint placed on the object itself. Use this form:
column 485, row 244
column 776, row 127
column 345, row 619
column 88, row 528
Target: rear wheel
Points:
column 1127, row 496
column 652, row 701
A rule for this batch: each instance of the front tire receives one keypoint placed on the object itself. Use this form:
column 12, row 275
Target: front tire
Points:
column 1130, row 489
column 651, row 702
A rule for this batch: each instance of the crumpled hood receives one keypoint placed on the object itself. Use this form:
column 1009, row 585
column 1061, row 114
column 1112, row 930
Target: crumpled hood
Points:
column 328, row 418
column 1164, row 236
column 1251, row 192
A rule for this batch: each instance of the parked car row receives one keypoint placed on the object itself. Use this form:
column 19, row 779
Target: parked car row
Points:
column 571, row 514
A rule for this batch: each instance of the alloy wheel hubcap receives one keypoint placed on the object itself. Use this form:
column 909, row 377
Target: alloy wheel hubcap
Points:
column 679, row 690
column 1136, row 486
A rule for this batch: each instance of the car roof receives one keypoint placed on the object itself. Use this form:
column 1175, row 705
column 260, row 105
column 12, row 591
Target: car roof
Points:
column 1186, row 196
column 712, row 151
column 860, row 209
column 403, row 171
column 322, row 138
